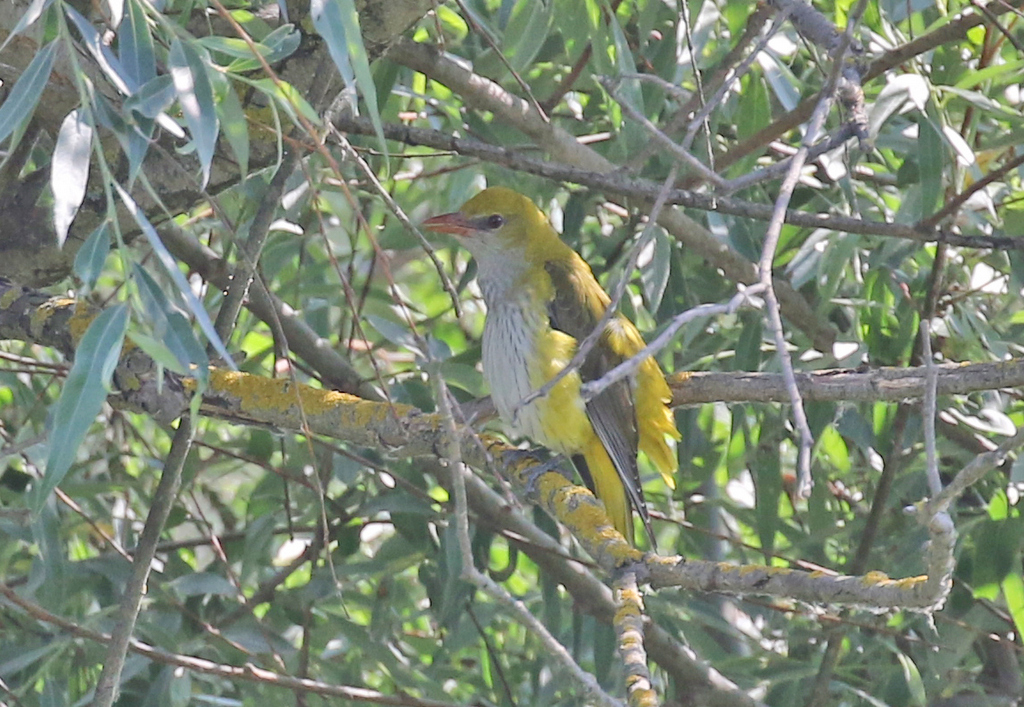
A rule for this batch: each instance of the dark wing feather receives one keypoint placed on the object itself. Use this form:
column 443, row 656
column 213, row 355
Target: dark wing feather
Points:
column 576, row 308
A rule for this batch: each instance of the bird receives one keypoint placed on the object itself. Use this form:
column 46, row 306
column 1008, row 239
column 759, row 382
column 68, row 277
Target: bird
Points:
column 542, row 301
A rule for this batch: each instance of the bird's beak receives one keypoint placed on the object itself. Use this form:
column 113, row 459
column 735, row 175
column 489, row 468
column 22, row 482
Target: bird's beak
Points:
column 454, row 223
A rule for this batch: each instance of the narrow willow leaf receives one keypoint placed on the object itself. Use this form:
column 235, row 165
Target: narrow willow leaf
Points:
column 235, row 126
column 195, row 94
column 104, row 57
column 654, row 275
column 70, row 170
column 23, row 98
column 169, row 325
column 82, row 397
column 338, row 23
column 93, row 254
column 167, row 260
column 135, row 46
column 526, row 33
column 34, row 11
column 152, row 98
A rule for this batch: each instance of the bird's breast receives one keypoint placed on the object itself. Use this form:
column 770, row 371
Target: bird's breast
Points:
column 520, row 354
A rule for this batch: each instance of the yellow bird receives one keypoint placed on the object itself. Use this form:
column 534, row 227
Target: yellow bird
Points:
column 542, row 300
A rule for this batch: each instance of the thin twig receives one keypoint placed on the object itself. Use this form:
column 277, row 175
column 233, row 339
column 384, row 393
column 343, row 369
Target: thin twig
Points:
column 628, row 367
column 950, row 32
column 468, row 17
column 163, row 502
column 402, row 217
column 954, row 204
column 246, row 673
column 624, row 186
column 837, row 139
column 972, row 473
column 928, row 410
column 698, row 81
column 453, row 454
column 680, row 153
column 765, row 267
column 250, row 249
column 734, row 75
column 995, row 22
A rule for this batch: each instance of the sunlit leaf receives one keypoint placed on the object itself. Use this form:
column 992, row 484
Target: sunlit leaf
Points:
column 110, row 64
column 195, row 94
column 70, row 170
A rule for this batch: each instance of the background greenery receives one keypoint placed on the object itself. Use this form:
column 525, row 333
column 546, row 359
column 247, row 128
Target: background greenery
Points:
column 175, row 110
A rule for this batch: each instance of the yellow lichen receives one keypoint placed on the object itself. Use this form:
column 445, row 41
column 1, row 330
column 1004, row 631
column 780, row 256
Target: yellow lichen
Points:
column 275, row 394
column 42, row 314
column 10, row 297
column 875, row 578
column 80, row 320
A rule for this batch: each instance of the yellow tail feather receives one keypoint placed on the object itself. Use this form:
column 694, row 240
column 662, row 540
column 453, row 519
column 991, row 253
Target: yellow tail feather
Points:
column 608, row 487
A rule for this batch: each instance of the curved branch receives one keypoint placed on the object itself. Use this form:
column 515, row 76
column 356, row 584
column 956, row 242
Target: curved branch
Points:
column 620, row 184
column 860, row 385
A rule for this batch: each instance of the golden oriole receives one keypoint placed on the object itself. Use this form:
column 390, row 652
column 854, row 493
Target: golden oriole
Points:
column 542, row 300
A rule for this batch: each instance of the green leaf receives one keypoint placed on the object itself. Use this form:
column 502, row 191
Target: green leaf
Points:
column 277, row 45
column 93, row 254
column 605, row 654
column 768, row 489
column 235, row 126
column 748, row 346
column 931, row 158
column 152, row 98
column 167, row 260
column 169, row 326
column 338, row 23
column 22, row 100
column 82, row 397
column 34, row 11
column 1013, row 592
column 526, row 33
column 195, row 94
column 203, row 584
column 69, row 170
column 100, row 51
column 654, row 275
column 394, row 332
column 285, row 95
column 135, row 46
column 912, row 676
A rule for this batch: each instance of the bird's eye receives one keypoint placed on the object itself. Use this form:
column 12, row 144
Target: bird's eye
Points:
column 495, row 221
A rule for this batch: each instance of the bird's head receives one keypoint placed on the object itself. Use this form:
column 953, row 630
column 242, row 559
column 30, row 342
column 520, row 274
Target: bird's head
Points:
column 499, row 226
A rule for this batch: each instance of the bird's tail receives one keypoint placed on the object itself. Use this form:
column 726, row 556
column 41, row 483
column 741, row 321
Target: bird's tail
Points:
column 608, row 487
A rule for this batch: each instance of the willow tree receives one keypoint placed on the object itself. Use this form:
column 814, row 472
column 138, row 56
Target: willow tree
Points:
column 246, row 447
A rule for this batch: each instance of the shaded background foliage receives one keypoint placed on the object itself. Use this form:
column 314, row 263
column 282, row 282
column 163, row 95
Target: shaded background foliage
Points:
column 173, row 107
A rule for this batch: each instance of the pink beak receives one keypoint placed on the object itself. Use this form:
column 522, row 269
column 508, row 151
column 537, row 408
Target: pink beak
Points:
column 454, row 223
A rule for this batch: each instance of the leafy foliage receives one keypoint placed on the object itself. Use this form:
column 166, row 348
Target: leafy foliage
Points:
column 181, row 112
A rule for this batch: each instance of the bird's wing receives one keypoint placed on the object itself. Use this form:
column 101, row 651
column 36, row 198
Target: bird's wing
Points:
column 576, row 308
